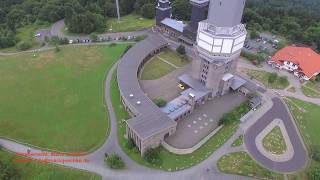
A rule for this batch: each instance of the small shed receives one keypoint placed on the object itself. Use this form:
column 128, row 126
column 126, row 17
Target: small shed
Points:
column 255, row 102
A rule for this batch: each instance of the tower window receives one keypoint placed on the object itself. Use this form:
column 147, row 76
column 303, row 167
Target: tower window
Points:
column 220, row 3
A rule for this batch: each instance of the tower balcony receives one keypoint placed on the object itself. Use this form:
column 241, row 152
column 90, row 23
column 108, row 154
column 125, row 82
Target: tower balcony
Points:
column 220, row 41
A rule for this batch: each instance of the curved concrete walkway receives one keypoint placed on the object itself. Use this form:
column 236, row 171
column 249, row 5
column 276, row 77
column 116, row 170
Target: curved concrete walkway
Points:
column 277, row 111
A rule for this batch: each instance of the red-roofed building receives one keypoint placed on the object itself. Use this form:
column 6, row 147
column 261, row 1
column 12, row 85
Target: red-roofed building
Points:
column 302, row 61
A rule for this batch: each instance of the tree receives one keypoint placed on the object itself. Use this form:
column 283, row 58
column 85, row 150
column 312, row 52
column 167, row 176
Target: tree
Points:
column 181, row 9
column 94, row 37
column 57, row 49
column 254, row 34
column 181, row 49
column 22, row 46
column 55, row 40
column 7, row 171
column 160, row 102
column 272, row 77
column 148, row 11
column 114, row 161
column 152, row 156
column 130, row 144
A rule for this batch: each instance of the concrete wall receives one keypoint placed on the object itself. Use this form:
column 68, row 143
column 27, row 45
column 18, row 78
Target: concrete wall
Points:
column 156, row 140
column 194, row 148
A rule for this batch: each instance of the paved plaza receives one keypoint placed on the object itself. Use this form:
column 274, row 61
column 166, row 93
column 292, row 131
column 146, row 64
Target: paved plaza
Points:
column 203, row 121
column 165, row 87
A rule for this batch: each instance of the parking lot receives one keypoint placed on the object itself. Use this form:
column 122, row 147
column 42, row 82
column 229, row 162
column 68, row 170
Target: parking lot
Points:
column 265, row 43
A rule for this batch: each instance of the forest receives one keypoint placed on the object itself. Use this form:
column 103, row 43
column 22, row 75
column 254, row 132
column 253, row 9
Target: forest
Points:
column 297, row 20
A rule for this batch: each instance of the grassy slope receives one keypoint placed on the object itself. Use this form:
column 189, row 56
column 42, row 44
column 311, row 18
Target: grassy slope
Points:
column 241, row 163
column 262, row 76
column 156, row 68
column 311, row 89
column 26, row 33
column 238, row 141
column 306, row 116
column 274, row 141
column 34, row 170
column 56, row 100
column 171, row 162
column 128, row 23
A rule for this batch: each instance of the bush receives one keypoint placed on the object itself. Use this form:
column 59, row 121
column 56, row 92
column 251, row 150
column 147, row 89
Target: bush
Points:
column 126, row 50
column 316, row 153
column 114, row 161
column 152, row 156
column 22, row 46
column 112, row 44
column 94, row 37
column 314, row 174
column 181, row 50
column 57, row 49
column 130, row 144
column 140, row 38
column 283, row 80
column 8, row 172
column 160, row 102
column 234, row 115
column 64, row 41
column 272, row 77
column 253, row 57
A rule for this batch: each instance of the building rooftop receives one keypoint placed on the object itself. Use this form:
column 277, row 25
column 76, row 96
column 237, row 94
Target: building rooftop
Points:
column 177, row 107
column 193, row 83
column 307, row 60
column 237, row 82
column 149, row 118
column 174, row 24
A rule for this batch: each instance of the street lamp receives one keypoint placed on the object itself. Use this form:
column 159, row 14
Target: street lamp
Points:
column 118, row 10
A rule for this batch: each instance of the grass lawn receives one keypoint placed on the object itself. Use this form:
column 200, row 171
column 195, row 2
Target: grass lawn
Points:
column 292, row 89
column 274, row 141
column 26, row 33
column 238, row 141
column 241, row 163
column 155, row 68
column 262, row 76
column 170, row 162
column 173, row 57
column 56, row 100
column 34, row 170
column 306, row 116
column 159, row 65
column 131, row 22
column 311, row 89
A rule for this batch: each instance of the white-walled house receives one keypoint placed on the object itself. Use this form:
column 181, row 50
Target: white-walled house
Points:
column 301, row 61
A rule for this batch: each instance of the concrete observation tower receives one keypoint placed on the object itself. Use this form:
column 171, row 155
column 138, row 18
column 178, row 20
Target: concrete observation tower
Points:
column 220, row 39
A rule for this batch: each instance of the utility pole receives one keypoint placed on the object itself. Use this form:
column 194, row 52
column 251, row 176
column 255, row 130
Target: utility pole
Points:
column 118, row 10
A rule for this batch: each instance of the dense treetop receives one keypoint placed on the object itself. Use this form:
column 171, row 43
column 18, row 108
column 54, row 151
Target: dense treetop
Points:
column 298, row 20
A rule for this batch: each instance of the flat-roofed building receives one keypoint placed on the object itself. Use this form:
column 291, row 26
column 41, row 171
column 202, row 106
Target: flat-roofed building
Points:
column 149, row 125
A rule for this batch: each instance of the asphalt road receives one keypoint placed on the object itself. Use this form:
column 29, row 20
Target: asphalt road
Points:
column 279, row 110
